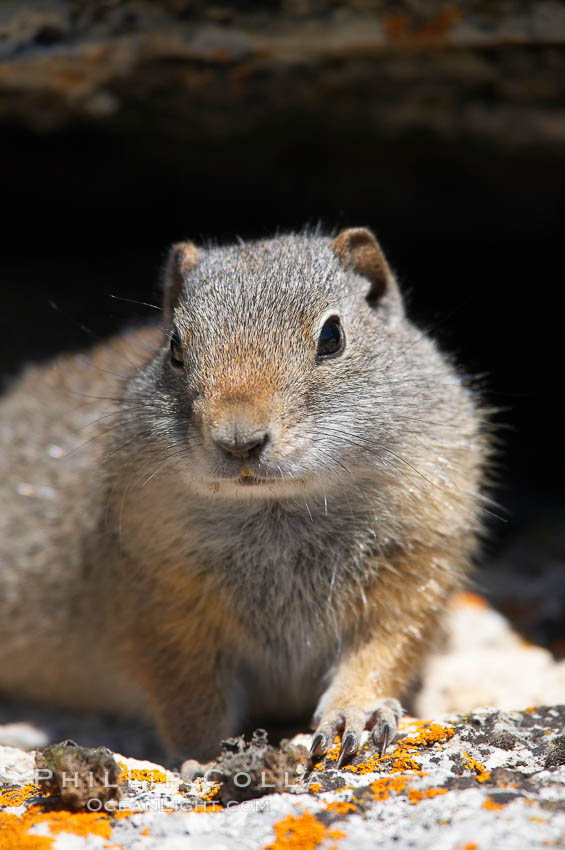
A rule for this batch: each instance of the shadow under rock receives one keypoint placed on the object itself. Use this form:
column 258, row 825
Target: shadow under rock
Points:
column 30, row 726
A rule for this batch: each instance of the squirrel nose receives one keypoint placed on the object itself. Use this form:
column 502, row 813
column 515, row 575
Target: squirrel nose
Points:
column 240, row 444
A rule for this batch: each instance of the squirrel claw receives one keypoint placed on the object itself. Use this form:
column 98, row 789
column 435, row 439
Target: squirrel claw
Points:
column 349, row 745
column 380, row 719
column 319, row 744
column 385, row 738
column 386, row 724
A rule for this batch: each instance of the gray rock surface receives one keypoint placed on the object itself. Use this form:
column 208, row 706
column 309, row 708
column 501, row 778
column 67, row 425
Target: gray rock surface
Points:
column 490, row 779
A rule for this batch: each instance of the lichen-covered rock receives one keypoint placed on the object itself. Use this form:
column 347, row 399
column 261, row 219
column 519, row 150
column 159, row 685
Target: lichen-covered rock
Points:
column 490, row 779
column 247, row 771
column 77, row 776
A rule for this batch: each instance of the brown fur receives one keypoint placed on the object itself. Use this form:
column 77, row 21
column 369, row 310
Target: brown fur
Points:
column 357, row 249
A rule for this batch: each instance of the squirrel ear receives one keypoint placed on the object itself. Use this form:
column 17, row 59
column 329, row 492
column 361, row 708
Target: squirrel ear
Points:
column 183, row 257
column 356, row 248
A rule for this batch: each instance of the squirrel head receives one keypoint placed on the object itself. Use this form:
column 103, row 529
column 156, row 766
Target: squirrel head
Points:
column 270, row 369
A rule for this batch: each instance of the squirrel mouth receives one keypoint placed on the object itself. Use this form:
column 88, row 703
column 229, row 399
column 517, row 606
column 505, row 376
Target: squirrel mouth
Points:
column 247, row 478
column 250, row 480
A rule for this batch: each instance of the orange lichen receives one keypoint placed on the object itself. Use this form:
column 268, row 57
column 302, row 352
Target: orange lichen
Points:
column 415, row 795
column 315, row 787
column 482, row 774
column 435, row 792
column 212, row 806
column 211, row 793
column 14, row 833
column 387, row 785
column 143, row 774
column 382, row 788
column 470, row 846
column 302, row 832
column 333, row 753
column 429, row 734
column 14, row 830
column 538, row 820
column 146, row 831
column 78, row 823
column 17, row 796
column 341, row 807
column 371, row 765
column 492, row 805
column 207, row 791
column 404, row 762
column 402, row 756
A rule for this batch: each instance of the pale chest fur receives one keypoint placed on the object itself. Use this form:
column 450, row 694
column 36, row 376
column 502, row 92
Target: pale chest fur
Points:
column 295, row 577
column 292, row 575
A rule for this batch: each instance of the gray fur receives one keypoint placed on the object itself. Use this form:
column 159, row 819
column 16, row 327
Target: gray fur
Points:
column 379, row 450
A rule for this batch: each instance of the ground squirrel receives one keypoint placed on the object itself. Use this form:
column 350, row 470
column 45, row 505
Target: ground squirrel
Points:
column 255, row 508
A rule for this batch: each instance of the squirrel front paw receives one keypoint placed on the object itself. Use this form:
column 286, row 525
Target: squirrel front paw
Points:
column 381, row 718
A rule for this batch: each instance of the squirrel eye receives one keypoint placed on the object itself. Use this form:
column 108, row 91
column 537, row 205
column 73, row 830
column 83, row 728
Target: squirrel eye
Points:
column 177, row 359
column 332, row 339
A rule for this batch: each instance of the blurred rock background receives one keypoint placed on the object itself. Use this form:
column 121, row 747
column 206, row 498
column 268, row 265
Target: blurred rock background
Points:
column 126, row 125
